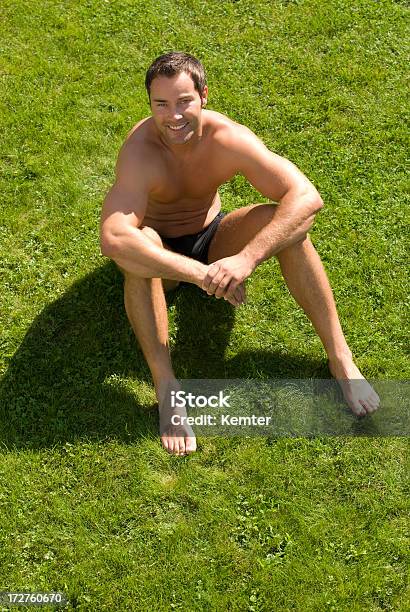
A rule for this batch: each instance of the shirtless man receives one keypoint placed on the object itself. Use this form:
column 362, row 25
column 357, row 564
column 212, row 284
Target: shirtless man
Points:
column 161, row 224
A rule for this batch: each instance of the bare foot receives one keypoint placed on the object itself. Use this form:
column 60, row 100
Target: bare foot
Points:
column 360, row 396
column 177, row 436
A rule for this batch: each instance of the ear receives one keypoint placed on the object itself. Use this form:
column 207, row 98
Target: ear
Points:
column 204, row 96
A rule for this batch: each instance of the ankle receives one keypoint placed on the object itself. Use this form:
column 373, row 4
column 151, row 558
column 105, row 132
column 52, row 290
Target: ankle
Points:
column 341, row 356
column 163, row 384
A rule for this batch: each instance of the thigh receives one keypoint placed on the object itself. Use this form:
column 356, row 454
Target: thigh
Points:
column 238, row 228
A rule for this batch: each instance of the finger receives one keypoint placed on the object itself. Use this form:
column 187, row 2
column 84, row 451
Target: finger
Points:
column 232, row 300
column 211, row 273
column 214, row 284
column 239, row 296
column 235, row 299
column 231, row 291
column 236, row 296
column 221, row 289
column 245, row 297
column 242, row 291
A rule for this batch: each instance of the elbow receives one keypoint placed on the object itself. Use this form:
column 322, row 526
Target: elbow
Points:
column 316, row 204
column 307, row 200
column 108, row 245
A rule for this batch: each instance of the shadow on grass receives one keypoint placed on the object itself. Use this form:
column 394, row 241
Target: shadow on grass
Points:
column 68, row 379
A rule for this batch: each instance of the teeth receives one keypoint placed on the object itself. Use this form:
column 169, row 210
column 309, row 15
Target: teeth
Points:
column 178, row 127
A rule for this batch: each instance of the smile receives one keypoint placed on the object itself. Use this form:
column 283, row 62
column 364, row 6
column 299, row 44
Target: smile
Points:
column 178, row 127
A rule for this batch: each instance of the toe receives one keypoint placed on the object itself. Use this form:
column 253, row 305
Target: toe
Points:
column 171, row 444
column 375, row 398
column 190, row 445
column 180, row 447
column 358, row 409
column 165, row 442
column 371, row 404
column 367, row 406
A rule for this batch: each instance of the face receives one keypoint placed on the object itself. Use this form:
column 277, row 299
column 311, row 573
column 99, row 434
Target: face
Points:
column 176, row 107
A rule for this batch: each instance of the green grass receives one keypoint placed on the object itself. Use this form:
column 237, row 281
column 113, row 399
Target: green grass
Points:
column 89, row 502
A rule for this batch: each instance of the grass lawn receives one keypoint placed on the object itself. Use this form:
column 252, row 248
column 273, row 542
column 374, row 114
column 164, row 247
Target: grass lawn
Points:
column 90, row 504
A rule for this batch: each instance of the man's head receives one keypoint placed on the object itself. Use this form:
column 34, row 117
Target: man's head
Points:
column 176, row 86
column 172, row 64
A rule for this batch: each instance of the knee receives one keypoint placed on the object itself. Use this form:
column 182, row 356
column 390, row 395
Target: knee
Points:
column 135, row 285
column 303, row 242
column 297, row 247
column 131, row 278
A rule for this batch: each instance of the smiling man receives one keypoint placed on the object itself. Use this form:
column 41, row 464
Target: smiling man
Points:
column 162, row 223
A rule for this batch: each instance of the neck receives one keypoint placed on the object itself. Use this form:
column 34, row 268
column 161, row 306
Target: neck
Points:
column 185, row 149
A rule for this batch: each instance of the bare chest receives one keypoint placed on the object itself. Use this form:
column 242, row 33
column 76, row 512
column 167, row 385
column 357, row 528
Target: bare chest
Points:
column 184, row 197
column 190, row 181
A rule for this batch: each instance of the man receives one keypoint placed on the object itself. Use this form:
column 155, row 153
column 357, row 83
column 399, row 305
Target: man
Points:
column 161, row 224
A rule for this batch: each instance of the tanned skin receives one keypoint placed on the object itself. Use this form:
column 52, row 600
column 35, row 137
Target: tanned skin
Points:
column 167, row 178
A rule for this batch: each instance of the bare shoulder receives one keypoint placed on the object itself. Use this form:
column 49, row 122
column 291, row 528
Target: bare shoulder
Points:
column 126, row 201
column 137, row 153
column 229, row 134
column 268, row 172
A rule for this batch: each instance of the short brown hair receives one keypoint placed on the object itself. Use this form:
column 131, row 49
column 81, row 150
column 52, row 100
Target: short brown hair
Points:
column 175, row 62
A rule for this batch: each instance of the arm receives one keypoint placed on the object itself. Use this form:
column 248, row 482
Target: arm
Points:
column 123, row 241
column 123, row 212
column 279, row 180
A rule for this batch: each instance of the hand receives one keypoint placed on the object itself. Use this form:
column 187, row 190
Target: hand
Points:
column 225, row 278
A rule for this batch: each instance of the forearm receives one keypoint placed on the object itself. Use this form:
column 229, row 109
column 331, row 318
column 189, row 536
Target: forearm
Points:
column 291, row 221
column 137, row 254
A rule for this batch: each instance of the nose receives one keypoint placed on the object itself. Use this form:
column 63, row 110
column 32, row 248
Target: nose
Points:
column 175, row 113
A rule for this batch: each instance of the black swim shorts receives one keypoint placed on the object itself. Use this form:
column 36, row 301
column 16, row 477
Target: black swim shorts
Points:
column 195, row 245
